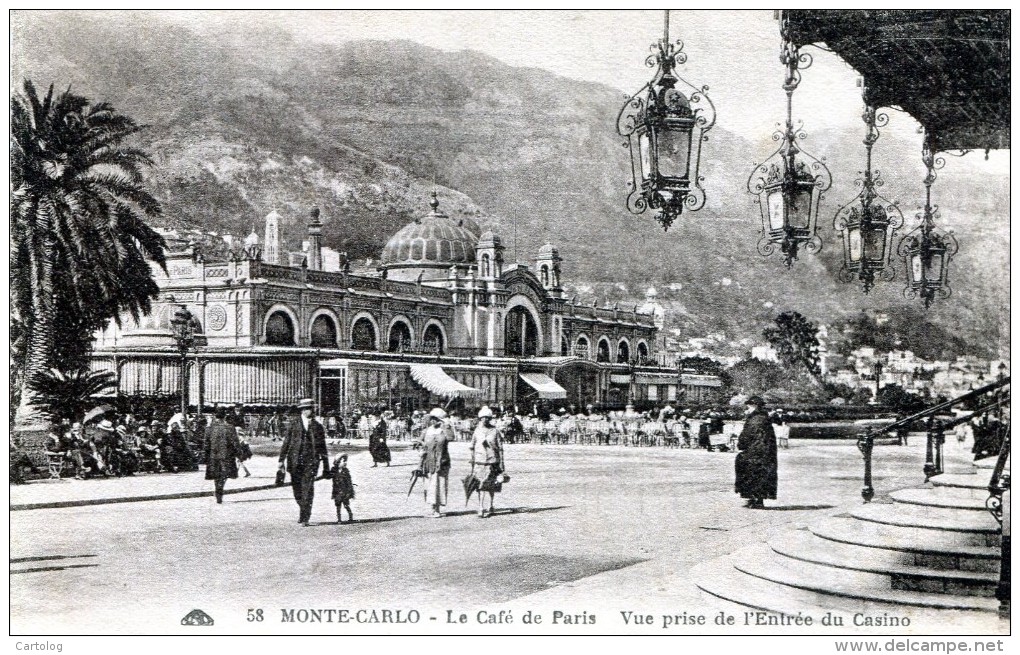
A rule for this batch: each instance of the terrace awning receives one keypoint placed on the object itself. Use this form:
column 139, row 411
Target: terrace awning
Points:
column 544, row 385
column 436, row 380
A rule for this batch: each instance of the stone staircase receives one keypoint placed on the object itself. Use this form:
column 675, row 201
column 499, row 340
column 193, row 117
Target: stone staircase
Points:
column 932, row 553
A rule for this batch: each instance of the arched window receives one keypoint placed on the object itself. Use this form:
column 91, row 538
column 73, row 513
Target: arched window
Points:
column 603, row 353
column 545, row 275
column 642, row 351
column 279, row 330
column 323, row 332
column 521, row 333
column 581, row 348
column 363, row 335
column 400, row 338
column 623, row 352
column 432, row 340
column 486, row 266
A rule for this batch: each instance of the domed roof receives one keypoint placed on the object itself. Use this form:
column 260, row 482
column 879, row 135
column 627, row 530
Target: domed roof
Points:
column 489, row 239
column 252, row 239
column 548, row 250
column 434, row 240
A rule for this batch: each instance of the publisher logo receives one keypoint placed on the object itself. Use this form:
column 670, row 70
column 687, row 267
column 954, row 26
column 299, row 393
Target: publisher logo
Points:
column 197, row 617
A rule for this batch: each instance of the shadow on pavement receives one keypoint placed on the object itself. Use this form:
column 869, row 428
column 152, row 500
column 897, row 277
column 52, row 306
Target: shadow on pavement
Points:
column 466, row 512
column 790, row 508
column 42, row 569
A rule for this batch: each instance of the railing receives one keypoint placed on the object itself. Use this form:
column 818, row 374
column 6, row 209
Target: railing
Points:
column 997, row 488
column 935, row 428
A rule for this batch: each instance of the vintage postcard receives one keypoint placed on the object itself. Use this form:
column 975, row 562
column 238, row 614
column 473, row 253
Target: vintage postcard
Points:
column 580, row 322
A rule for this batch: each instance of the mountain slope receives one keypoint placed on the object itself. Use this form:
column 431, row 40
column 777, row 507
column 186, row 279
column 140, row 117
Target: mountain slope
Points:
column 244, row 124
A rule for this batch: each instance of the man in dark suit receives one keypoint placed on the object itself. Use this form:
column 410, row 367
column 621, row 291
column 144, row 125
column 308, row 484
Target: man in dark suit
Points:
column 304, row 446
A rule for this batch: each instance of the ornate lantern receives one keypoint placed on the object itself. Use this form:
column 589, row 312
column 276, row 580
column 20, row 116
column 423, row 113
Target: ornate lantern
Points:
column 927, row 250
column 183, row 328
column 790, row 183
column 869, row 221
column 665, row 123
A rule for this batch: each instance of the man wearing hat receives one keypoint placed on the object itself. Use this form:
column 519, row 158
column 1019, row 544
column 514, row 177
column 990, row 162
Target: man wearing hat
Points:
column 757, row 463
column 487, row 460
column 435, row 460
column 222, row 449
column 304, row 446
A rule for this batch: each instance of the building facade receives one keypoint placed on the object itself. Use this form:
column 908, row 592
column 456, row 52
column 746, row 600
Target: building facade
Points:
column 443, row 319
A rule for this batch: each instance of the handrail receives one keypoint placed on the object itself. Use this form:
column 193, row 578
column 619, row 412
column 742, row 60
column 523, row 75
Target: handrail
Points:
column 936, row 431
column 997, row 487
column 935, row 409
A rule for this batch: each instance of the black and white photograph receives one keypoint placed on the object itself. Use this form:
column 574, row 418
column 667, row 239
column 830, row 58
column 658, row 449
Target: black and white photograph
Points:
column 659, row 322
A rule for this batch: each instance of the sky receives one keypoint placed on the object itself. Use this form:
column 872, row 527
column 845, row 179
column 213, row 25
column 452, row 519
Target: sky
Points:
column 735, row 53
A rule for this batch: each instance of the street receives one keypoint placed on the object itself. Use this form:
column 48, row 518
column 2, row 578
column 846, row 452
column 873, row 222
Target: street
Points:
column 583, row 529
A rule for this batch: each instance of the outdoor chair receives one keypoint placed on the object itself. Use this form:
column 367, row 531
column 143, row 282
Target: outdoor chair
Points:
column 56, row 462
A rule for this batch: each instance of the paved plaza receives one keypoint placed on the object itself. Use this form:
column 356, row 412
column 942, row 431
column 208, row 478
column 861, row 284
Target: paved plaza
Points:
column 578, row 529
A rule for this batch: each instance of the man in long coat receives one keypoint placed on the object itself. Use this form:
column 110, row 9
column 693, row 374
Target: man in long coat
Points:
column 757, row 463
column 304, row 446
column 222, row 449
column 435, row 460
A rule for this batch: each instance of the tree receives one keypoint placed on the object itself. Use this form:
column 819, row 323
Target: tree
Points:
column 79, row 242
column 67, row 395
column 795, row 340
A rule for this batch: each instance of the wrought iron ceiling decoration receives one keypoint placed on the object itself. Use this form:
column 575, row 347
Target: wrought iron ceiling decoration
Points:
column 790, row 183
column 665, row 124
column 869, row 222
column 928, row 250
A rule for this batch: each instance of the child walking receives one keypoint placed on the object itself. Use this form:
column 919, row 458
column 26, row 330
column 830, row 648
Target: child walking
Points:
column 343, row 488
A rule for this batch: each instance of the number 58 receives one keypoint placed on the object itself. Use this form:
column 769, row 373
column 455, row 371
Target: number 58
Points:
column 255, row 615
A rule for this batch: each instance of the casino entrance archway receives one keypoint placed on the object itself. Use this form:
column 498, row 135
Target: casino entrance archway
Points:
column 521, row 332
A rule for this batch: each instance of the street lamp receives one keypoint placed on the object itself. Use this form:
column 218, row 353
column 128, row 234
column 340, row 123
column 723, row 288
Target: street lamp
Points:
column 869, row 221
column 789, row 184
column 927, row 250
column 187, row 335
column 665, row 126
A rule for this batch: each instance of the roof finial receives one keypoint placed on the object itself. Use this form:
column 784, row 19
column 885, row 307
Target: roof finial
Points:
column 434, row 203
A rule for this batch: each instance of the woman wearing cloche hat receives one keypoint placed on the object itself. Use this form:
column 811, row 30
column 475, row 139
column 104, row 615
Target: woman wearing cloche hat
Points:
column 487, row 460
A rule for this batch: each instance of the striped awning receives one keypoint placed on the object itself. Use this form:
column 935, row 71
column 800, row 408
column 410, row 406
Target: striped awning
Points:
column 435, row 379
column 544, row 385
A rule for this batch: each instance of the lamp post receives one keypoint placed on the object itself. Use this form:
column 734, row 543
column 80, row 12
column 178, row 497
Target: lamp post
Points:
column 665, row 124
column 869, row 221
column 186, row 337
column 789, row 184
column 928, row 250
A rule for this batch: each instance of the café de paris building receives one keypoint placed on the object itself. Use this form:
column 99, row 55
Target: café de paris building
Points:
column 444, row 320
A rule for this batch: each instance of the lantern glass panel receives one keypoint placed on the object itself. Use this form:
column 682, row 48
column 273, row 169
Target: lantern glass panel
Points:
column 933, row 267
column 799, row 213
column 854, row 240
column 645, row 148
column 874, row 244
column 916, row 270
column 674, row 151
column 777, row 219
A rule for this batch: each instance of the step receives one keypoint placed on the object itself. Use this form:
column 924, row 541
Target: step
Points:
column 903, row 574
column 720, row 578
column 761, row 562
column 944, row 497
column 934, row 518
column 962, row 480
column 932, row 548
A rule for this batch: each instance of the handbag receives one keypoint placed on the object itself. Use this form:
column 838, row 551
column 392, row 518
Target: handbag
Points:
column 280, row 476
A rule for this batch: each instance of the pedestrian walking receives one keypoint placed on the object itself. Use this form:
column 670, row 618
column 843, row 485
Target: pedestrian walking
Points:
column 757, row 463
column 377, row 443
column 435, row 460
column 343, row 488
column 222, row 450
column 304, row 446
column 487, row 461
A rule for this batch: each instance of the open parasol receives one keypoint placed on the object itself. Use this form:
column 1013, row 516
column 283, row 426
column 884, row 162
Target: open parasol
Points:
column 96, row 412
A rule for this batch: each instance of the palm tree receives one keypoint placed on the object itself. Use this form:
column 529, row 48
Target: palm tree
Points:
column 69, row 394
column 79, row 243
